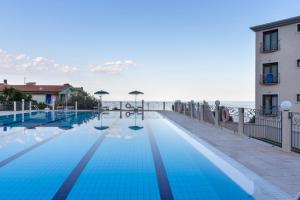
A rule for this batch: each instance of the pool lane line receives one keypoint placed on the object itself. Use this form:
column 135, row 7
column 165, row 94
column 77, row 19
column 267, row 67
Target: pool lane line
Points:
column 21, row 153
column 68, row 184
column 161, row 173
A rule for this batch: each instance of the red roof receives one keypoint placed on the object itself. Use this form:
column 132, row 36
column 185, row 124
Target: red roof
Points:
column 32, row 88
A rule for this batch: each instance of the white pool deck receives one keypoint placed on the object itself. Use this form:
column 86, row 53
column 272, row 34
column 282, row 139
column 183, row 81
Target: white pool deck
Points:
column 278, row 168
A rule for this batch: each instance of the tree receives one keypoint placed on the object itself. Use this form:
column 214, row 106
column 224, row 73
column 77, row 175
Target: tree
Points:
column 11, row 94
column 84, row 100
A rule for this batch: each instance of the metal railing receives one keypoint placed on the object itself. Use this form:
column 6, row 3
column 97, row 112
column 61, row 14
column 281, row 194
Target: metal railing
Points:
column 148, row 105
column 262, row 49
column 267, row 128
column 7, row 106
column 254, row 123
column 273, row 111
column 270, row 79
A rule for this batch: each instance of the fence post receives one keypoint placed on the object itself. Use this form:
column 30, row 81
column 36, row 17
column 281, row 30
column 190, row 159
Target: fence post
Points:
column 15, row 106
column 201, row 112
column 286, row 131
column 23, row 105
column 76, row 104
column 184, row 108
column 198, row 110
column 241, row 121
column 286, row 128
column 164, row 106
column 120, row 109
column 217, row 117
column 192, row 109
column 142, row 109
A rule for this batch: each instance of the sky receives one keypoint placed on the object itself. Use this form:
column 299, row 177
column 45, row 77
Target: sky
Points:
column 169, row 49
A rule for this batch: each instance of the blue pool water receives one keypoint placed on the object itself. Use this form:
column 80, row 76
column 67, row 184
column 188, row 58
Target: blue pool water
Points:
column 84, row 155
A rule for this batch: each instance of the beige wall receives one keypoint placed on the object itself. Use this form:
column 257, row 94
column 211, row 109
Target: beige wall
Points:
column 287, row 56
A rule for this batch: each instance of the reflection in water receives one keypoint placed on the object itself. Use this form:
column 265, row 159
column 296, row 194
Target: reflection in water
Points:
column 135, row 127
column 100, row 117
column 26, row 132
column 61, row 120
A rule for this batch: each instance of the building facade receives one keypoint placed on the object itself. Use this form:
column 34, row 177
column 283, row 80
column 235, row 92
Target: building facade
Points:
column 277, row 71
column 41, row 93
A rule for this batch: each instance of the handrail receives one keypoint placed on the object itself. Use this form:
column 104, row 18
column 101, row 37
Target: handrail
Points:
column 270, row 78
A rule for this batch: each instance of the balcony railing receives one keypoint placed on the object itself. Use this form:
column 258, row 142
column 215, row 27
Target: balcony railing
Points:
column 270, row 79
column 272, row 111
column 272, row 49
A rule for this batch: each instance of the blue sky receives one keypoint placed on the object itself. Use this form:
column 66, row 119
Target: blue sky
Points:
column 168, row 49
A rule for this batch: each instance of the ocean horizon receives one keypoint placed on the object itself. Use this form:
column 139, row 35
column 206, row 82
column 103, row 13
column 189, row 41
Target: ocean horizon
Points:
column 158, row 105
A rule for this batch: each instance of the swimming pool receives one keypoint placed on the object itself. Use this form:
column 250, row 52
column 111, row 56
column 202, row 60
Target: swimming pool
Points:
column 84, row 155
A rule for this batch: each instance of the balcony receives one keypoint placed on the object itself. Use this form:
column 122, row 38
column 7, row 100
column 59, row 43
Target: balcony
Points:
column 270, row 79
column 272, row 111
column 272, row 49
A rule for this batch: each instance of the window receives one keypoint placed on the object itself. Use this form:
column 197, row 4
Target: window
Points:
column 270, row 104
column 270, row 73
column 298, row 27
column 270, row 41
column 298, row 97
column 298, row 63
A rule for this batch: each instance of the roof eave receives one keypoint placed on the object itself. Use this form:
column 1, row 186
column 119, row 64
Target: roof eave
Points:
column 276, row 24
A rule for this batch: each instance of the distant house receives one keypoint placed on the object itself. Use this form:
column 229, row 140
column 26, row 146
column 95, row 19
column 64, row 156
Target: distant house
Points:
column 41, row 93
column 277, row 64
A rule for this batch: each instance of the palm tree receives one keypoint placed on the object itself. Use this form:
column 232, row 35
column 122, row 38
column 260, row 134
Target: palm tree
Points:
column 11, row 94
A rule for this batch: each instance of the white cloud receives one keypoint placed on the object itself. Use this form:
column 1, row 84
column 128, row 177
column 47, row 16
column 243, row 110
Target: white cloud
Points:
column 69, row 69
column 113, row 67
column 5, row 59
column 24, row 63
column 21, row 57
column 39, row 61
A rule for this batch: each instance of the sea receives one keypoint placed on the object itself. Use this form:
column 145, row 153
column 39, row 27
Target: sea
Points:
column 158, row 105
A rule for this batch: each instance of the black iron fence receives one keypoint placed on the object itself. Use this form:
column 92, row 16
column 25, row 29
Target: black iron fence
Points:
column 295, row 129
column 267, row 128
column 254, row 123
column 6, row 106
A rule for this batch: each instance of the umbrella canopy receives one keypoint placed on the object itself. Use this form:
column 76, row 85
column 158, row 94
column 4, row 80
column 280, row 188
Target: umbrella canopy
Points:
column 101, row 92
column 136, row 92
